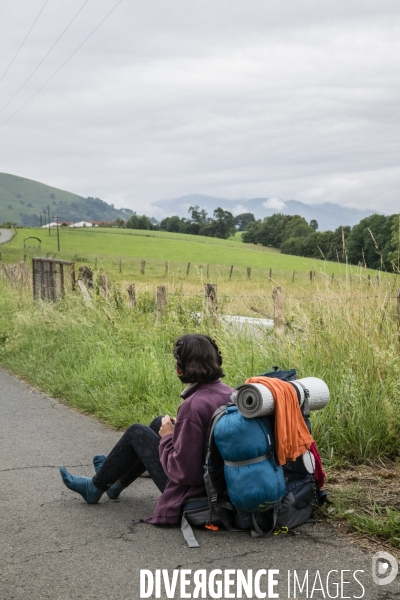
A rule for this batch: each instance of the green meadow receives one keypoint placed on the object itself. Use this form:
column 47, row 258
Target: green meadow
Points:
column 115, row 362
column 110, row 246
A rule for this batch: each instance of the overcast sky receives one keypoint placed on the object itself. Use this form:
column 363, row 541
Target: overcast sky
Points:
column 289, row 99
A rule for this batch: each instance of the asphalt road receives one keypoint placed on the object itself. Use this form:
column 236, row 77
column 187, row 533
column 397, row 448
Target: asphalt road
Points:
column 5, row 235
column 54, row 546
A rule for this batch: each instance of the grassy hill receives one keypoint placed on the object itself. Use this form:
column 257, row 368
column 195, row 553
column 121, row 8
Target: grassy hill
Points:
column 23, row 200
column 105, row 248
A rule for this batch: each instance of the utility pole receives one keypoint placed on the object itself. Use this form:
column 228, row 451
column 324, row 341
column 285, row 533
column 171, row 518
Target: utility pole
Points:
column 48, row 208
column 58, row 233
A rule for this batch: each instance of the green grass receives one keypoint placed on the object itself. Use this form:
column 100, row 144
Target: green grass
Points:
column 371, row 505
column 117, row 364
column 111, row 245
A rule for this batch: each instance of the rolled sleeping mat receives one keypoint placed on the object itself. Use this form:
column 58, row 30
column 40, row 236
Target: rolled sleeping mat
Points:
column 256, row 400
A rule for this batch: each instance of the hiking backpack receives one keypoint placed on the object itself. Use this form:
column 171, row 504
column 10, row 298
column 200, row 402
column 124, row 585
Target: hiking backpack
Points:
column 263, row 496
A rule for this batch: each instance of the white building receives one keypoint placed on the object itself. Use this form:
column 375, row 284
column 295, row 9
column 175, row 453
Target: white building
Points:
column 81, row 224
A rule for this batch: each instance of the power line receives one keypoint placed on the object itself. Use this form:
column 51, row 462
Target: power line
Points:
column 63, row 64
column 25, row 38
column 44, row 57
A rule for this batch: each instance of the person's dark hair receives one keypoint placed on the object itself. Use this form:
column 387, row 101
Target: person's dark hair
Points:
column 198, row 357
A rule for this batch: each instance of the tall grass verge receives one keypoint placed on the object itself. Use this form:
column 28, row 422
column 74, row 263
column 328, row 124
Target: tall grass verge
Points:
column 117, row 364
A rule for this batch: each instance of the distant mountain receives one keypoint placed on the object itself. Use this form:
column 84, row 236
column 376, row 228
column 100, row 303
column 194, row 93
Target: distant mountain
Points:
column 22, row 200
column 328, row 215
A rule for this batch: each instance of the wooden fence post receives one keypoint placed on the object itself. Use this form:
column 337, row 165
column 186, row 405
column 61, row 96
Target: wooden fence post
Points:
column 398, row 312
column 230, row 273
column 369, row 279
column 311, row 275
column 270, row 274
column 210, row 292
column 22, row 272
column 120, row 265
column 161, row 302
column 208, row 270
column 143, row 267
column 85, row 293
column 277, row 296
column 166, row 268
column 104, row 286
column 132, row 295
column 95, row 263
column 62, row 281
column 72, row 274
column 248, row 272
column 333, row 276
column 377, row 279
column 294, row 273
column 187, row 269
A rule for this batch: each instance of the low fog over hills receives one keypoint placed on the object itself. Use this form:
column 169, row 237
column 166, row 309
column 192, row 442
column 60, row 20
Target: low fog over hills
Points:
column 328, row 215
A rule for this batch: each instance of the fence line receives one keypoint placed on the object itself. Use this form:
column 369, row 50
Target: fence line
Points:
column 48, row 283
column 154, row 268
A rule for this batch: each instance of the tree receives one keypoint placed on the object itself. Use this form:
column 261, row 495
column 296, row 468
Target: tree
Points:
column 198, row 215
column 250, row 236
column 272, row 230
column 174, row 224
column 314, row 224
column 297, row 227
column 394, row 255
column 221, row 226
column 136, row 222
column 242, row 221
column 293, row 245
column 198, row 219
column 370, row 242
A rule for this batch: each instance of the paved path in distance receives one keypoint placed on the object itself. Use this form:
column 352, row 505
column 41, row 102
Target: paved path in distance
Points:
column 5, row 235
column 53, row 546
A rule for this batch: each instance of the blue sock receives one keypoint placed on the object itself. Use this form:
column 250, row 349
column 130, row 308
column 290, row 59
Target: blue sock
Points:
column 113, row 491
column 98, row 461
column 82, row 485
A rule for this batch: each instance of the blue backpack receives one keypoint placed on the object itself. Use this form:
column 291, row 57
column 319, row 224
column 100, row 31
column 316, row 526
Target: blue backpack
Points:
column 255, row 482
column 246, row 488
column 243, row 480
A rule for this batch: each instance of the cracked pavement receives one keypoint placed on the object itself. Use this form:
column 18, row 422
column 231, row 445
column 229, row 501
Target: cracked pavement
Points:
column 54, row 546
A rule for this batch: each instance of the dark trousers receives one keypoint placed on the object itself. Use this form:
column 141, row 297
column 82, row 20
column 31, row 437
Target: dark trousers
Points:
column 136, row 452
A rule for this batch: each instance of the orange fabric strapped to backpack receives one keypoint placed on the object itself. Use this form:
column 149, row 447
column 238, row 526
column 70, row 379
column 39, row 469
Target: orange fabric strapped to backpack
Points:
column 292, row 437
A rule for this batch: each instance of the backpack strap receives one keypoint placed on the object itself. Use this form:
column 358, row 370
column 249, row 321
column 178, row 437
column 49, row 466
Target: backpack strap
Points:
column 250, row 461
column 306, row 406
column 257, row 531
column 216, row 503
column 188, row 534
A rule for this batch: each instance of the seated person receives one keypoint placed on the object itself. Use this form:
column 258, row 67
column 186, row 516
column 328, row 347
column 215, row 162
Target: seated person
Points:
column 172, row 450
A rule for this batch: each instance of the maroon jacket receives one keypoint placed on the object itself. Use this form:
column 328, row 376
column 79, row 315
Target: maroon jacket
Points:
column 183, row 452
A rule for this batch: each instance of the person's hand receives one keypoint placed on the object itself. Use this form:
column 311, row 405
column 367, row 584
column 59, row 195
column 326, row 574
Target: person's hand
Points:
column 167, row 426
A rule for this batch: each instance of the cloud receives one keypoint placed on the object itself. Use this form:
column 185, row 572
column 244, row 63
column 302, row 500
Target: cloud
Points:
column 238, row 210
column 295, row 101
column 274, row 204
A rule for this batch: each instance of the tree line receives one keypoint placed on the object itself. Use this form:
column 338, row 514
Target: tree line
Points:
column 373, row 242
column 221, row 225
